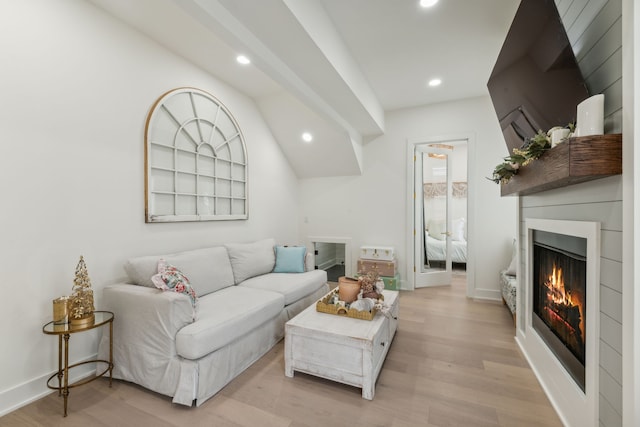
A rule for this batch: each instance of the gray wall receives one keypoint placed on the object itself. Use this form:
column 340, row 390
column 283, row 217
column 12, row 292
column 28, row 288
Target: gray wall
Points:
column 594, row 28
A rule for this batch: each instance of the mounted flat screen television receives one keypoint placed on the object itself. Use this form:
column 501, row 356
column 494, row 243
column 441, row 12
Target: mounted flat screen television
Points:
column 536, row 83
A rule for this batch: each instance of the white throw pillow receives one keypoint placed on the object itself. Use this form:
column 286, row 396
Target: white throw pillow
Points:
column 309, row 262
column 251, row 259
column 457, row 230
column 511, row 270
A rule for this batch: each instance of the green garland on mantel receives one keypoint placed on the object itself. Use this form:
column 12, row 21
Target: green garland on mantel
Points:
column 531, row 150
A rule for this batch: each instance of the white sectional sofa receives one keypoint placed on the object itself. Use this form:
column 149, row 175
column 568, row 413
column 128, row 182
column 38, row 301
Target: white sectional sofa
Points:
column 163, row 343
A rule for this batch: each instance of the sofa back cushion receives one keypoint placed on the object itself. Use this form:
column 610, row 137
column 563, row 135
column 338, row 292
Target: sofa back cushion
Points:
column 251, row 259
column 208, row 269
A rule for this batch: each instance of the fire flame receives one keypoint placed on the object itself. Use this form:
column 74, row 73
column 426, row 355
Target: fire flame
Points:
column 556, row 283
column 560, row 296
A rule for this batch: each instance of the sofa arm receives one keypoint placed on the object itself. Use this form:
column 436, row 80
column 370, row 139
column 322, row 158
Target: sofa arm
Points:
column 146, row 321
column 309, row 262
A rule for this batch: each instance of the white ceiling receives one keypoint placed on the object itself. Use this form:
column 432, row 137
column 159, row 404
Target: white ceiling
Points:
column 331, row 67
column 400, row 46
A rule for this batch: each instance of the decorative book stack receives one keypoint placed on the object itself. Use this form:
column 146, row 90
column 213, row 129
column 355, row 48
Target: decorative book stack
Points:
column 381, row 259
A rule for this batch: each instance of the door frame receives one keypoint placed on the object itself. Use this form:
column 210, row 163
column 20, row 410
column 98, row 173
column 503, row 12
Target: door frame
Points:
column 437, row 277
column 346, row 241
column 471, row 203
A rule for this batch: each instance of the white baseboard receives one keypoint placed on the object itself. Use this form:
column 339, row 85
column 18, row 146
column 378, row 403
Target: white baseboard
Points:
column 544, row 386
column 327, row 264
column 35, row 389
column 487, row 294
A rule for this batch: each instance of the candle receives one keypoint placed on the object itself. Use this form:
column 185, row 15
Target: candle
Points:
column 61, row 310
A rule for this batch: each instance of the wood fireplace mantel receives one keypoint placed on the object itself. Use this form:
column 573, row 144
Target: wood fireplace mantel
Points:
column 576, row 160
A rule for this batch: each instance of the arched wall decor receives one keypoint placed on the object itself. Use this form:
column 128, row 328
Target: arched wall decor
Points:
column 195, row 160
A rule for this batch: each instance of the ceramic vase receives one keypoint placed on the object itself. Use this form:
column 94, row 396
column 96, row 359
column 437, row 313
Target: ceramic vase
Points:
column 348, row 289
column 590, row 116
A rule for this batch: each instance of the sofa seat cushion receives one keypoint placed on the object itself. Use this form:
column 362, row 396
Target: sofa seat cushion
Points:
column 224, row 316
column 293, row 286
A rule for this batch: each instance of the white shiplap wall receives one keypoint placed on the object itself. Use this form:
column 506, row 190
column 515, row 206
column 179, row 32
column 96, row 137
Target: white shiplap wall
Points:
column 594, row 28
column 600, row 201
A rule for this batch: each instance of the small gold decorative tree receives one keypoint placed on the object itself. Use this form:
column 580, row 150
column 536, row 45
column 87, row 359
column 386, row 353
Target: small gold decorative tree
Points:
column 81, row 310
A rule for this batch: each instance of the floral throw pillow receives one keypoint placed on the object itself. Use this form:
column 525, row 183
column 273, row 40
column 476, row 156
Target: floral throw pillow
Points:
column 169, row 278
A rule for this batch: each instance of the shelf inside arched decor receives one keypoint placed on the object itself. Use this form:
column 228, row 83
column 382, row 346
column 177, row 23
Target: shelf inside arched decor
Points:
column 576, row 160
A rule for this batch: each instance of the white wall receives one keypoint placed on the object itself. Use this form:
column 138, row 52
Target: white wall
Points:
column 372, row 208
column 76, row 88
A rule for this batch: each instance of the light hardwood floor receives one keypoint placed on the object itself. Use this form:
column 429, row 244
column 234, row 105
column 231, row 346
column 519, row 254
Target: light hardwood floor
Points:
column 453, row 362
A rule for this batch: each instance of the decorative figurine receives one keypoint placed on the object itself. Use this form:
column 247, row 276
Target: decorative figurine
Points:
column 368, row 285
column 81, row 304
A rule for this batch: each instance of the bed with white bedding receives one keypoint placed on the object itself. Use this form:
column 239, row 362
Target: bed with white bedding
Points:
column 436, row 250
column 436, row 247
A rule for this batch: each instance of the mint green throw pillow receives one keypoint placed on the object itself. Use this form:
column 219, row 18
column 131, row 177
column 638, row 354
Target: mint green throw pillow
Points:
column 290, row 259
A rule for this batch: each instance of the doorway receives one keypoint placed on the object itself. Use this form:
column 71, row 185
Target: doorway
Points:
column 333, row 255
column 330, row 258
column 438, row 181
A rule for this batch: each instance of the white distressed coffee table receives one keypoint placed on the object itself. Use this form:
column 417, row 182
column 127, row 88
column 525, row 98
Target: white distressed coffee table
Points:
column 343, row 349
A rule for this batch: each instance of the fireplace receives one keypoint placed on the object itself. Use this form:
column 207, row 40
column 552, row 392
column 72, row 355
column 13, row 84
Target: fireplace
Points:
column 559, row 302
column 559, row 298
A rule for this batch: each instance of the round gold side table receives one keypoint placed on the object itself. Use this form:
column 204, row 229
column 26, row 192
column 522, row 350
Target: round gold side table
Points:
column 63, row 332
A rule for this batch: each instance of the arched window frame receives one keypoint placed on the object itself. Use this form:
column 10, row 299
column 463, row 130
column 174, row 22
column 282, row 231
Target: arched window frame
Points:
column 196, row 164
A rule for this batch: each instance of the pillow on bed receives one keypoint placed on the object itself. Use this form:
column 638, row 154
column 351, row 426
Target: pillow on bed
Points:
column 436, row 229
column 457, row 230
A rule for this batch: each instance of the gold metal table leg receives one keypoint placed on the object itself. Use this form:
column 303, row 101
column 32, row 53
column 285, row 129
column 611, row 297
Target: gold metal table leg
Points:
column 65, row 392
column 110, row 352
column 60, row 373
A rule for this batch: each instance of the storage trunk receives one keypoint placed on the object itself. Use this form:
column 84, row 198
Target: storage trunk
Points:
column 383, row 253
column 392, row 283
column 384, row 268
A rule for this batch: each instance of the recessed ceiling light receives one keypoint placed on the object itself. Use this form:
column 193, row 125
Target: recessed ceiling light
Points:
column 428, row 3
column 435, row 82
column 243, row 60
column 307, row 137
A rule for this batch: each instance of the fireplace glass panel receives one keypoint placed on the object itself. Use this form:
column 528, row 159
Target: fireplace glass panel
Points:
column 559, row 297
